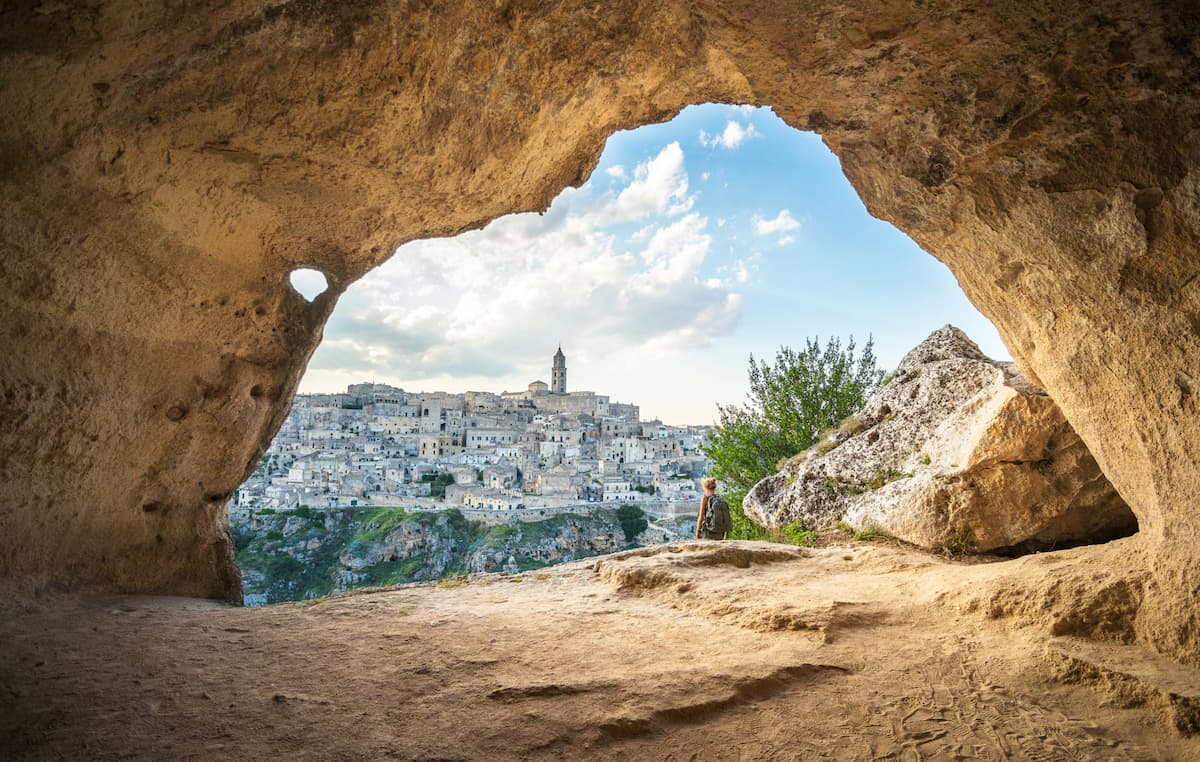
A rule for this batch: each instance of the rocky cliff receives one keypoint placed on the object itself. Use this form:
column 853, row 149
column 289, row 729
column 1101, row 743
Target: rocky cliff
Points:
column 954, row 451
column 309, row 553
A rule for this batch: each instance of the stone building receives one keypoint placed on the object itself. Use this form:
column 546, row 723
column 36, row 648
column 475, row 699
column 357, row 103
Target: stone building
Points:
column 558, row 373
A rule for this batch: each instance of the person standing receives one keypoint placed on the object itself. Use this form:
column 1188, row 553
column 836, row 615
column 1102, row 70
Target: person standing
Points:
column 714, row 521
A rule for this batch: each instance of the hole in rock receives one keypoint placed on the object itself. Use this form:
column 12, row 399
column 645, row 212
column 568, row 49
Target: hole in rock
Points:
column 308, row 283
column 513, row 392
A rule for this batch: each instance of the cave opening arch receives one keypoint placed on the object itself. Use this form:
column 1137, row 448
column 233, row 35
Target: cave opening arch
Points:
column 1048, row 159
column 720, row 205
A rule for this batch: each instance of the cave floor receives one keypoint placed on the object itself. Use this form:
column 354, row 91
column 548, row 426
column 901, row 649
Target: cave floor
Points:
column 693, row 651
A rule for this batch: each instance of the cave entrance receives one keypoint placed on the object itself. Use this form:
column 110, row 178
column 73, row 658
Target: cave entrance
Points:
column 695, row 243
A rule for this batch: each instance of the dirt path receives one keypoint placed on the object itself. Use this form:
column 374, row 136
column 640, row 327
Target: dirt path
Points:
column 697, row 651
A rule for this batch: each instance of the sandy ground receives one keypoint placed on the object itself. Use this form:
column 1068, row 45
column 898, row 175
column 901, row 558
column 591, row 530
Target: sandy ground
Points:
column 694, row 651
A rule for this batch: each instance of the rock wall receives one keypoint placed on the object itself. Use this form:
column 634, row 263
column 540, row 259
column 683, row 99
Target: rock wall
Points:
column 163, row 168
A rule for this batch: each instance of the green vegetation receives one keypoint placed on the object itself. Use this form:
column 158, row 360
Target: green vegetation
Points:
column 866, row 534
column 438, row 481
column 296, row 573
column 308, row 562
column 395, row 572
column 798, row 534
column 633, row 521
column 530, row 564
column 835, row 486
column 790, row 403
column 880, row 478
column 379, row 522
column 925, row 458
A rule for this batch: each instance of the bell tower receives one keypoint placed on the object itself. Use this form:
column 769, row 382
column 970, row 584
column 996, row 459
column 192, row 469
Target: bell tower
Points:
column 558, row 373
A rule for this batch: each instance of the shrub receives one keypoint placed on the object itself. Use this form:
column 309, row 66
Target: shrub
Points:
column 382, row 521
column 633, row 521
column 438, row 481
column 798, row 534
column 791, row 402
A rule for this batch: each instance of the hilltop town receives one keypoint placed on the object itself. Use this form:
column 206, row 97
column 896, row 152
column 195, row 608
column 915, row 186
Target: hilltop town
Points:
column 529, row 453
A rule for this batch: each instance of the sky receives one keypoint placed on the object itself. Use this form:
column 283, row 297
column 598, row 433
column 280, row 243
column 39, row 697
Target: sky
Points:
column 694, row 244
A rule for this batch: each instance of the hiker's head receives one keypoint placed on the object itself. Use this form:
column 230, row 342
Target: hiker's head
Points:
column 709, row 484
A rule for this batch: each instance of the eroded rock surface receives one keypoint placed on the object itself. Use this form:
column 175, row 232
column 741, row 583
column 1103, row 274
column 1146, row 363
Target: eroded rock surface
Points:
column 694, row 650
column 164, row 167
column 954, row 452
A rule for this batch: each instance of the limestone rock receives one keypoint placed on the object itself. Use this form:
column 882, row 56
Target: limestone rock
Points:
column 955, row 451
column 164, row 167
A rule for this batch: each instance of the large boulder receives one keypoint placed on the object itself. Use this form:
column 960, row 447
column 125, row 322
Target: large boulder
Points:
column 955, row 451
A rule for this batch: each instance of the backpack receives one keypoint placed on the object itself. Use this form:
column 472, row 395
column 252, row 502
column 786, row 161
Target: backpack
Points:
column 717, row 520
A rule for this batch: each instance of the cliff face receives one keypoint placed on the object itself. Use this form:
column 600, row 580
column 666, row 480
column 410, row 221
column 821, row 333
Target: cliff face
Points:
column 163, row 169
column 310, row 553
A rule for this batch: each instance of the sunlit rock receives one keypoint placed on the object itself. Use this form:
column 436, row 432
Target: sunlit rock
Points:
column 954, row 452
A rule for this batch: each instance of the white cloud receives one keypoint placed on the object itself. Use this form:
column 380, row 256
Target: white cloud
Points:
column 642, row 233
column 488, row 303
column 785, row 240
column 616, row 171
column 734, row 134
column 659, row 186
column 782, row 223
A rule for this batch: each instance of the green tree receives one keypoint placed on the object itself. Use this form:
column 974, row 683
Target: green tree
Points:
column 633, row 520
column 790, row 404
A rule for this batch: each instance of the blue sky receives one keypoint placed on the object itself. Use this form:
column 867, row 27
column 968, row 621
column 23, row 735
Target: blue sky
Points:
column 695, row 243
